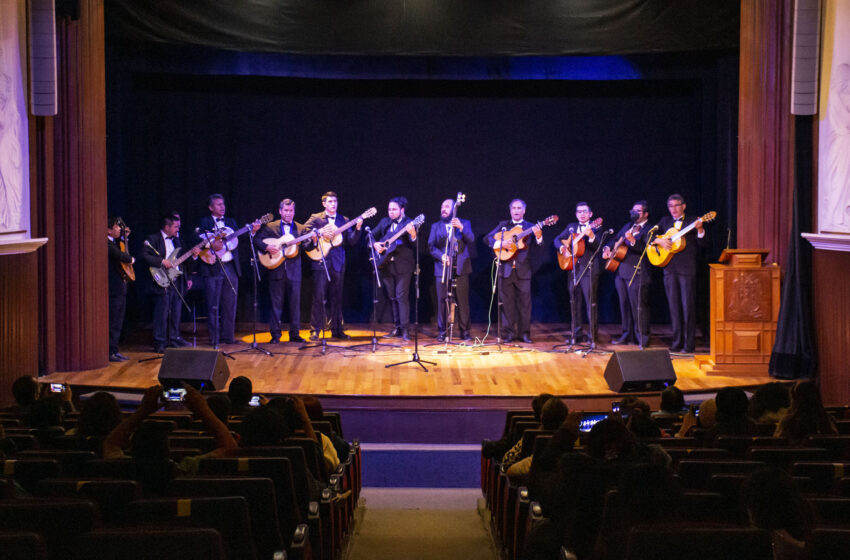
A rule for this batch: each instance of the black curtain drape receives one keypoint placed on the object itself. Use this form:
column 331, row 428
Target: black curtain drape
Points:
column 794, row 353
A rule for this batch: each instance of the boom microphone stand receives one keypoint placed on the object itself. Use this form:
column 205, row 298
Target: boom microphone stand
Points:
column 415, row 358
column 253, row 347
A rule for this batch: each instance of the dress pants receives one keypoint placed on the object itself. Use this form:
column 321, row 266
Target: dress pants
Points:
column 516, row 305
column 585, row 294
column 166, row 316
column 117, row 306
column 221, row 304
column 634, row 308
column 397, row 287
column 462, row 310
column 283, row 290
column 328, row 294
column 681, row 296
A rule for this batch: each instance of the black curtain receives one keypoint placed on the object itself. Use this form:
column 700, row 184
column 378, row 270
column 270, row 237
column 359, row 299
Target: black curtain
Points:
column 794, row 353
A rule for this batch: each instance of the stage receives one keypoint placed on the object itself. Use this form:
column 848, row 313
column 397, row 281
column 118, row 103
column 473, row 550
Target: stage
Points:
column 465, row 373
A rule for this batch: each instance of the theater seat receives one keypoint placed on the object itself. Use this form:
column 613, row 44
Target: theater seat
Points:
column 828, row 544
column 698, row 543
column 138, row 543
column 22, row 546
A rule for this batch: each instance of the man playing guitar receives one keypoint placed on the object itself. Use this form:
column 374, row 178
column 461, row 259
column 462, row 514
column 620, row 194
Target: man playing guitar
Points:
column 397, row 268
column 582, row 232
column 285, row 278
column 221, row 271
column 326, row 224
column 119, row 260
column 623, row 253
column 680, row 274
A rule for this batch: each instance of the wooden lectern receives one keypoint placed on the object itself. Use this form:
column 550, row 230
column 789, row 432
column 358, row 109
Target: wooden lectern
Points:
column 745, row 296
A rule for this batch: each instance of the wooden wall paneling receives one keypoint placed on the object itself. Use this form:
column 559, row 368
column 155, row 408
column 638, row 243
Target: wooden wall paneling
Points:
column 18, row 320
column 80, row 210
column 831, row 300
column 765, row 127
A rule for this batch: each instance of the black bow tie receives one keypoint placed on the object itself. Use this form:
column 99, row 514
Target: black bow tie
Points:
column 171, row 237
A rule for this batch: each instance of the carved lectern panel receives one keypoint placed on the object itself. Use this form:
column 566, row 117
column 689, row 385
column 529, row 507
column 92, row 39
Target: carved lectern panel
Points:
column 748, row 295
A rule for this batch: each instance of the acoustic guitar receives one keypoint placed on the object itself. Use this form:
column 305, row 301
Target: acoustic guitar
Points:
column 391, row 243
column 575, row 245
column 229, row 239
column 618, row 253
column 325, row 245
column 286, row 244
column 127, row 270
column 659, row 256
column 507, row 243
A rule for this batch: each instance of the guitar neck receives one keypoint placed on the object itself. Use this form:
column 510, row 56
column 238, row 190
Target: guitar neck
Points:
column 684, row 231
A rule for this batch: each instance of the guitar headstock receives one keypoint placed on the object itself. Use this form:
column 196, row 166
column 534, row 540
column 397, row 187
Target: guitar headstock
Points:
column 266, row 218
column 709, row 217
column 596, row 223
column 551, row 220
column 461, row 198
column 369, row 213
column 418, row 220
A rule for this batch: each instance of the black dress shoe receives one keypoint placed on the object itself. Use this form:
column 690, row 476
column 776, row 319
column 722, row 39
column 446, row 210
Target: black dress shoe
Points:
column 405, row 335
column 296, row 338
column 395, row 333
column 274, row 340
column 441, row 337
column 179, row 342
column 314, row 335
column 508, row 339
column 342, row 336
column 115, row 358
column 466, row 337
column 622, row 340
column 527, row 339
column 231, row 341
column 159, row 349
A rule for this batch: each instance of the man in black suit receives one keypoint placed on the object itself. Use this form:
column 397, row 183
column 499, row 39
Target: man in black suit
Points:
column 585, row 291
column 285, row 279
column 117, row 285
column 634, row 298
column 397, row 267
column 159, row 252
column 221, row 271
column 680, row 274
column 326, row 223
column 516, row 275
column 464, row 239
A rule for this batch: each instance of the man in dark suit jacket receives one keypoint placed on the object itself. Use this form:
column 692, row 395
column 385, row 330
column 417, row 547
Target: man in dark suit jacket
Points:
column 586, row 289
column 680, row 274
column 634, row 298
column 221, row 278
column 326, row 223
column 464, row 239
column 397, row 267
column 516, row 275
column 167, row 300
column 117, row 286
column 285, row 280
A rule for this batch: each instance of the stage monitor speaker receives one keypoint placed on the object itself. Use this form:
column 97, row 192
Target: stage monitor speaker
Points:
column 639, row 370
column 202, row 368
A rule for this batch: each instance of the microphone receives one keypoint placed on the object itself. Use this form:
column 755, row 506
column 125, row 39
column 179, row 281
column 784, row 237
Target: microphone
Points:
column 654, row 228
column 572, row 229
column 147, row 244
column 610, row 232
column 368, row 229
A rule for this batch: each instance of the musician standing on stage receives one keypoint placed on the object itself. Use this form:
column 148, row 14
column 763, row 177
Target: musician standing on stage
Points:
column 680, row 274
column 397, row 268
column 634, row 298
column 167, row 308
column 285, row 279
column 462, row 268
column 516, row 275
column 326, row 223
column 118, row 282
column 221, row 278
column 587, row 287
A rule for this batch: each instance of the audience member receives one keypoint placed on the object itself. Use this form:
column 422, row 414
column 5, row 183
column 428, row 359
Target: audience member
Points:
column 240, row 392
column 316, row 412
column 296, row 417
column 774, row 503
column 770, row 403
column 552, row 414
column 220, row 406
column 732, row 419
column 672, row 403
column 497, row 449
column 638, row 416
column 25, row 391
column 99, row 415
column 806, row 416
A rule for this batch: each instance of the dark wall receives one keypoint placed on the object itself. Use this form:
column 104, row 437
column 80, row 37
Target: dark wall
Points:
column 175, row 138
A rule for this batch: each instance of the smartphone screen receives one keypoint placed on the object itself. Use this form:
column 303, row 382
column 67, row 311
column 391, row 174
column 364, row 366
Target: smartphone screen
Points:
column 57, row 387
column 590, row 420
column 255, row 401
column 174, row 395
column 615, row 406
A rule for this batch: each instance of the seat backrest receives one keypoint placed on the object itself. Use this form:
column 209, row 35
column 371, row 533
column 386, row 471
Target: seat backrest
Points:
column 73, row 461
column 528, row 439
column 696, row 474
column 58, row 521
column 111, row 496
column 336, row 421
column 698, row 543
column 838, row 447
column 828, row 544
column 312, row 453
column 737, row 445
column 784, row 457
column 520, row 425
column 259, row 494
column 142, row 543
column 305, row 483
column 227, row 515
column 153, row 475
column 698, row 454
column 28, row 472
column 23, row 546
column 832, row 511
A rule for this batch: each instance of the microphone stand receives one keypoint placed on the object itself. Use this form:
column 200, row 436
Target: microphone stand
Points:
column 376, row 285
column 415, row 358
column 253, row 347
column 448, row 281
column 323, row 342
column 497, row 287
column 640, row 288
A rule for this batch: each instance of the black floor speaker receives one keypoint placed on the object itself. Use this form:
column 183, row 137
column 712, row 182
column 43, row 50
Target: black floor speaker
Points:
column 639, row 370
column 202, row 368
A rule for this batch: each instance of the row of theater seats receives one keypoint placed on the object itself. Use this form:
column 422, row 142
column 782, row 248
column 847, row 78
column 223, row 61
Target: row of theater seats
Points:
column 710, row 510
column 249, row 506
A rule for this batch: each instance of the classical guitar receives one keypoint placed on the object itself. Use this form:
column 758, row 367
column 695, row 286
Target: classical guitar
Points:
column 659, row 256
column 325, row 245
column 165, row 276
column 127, row 270
column 507, row 243
column 229, row 239
column 575, row 245
column 286, row 244
column 618, row 253
column 391, row 243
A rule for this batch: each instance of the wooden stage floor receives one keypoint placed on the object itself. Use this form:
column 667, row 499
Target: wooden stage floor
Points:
column 466, row 371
